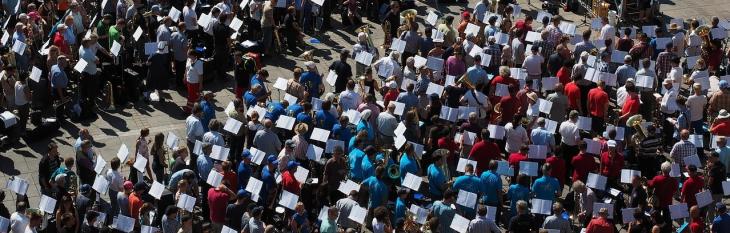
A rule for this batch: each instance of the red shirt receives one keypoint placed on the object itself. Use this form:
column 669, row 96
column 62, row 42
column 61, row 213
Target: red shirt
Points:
column 611, row 166
column 135, row 203
column 582, row 165
column 232, row 179
column 691, row 186
column 558, row 168
column 509, row 107
column 564, row 75
column 60, row 42
column 290, row 183
column 697, row 226
column 391, row 95
column 665, row 187
column 449, row 144
column 722, row 128
column 572, row 91
column 599, row 225
column 597, row 101
column 500, row 80
column 483, row 152
column 515, row 158
column 631, row 106
column 217, row 203
column 522, row 26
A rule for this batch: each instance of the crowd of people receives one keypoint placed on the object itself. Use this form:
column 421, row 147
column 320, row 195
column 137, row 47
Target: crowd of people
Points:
column 505, row 121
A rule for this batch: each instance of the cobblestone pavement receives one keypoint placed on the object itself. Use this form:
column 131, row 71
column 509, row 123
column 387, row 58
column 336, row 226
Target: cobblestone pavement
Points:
column 113, row 128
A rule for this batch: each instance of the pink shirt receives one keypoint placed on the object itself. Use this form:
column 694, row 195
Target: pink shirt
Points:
column 455, row 66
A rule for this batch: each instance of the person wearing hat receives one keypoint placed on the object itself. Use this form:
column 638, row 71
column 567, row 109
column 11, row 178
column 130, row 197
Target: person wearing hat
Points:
column 719, row 99
column 135, row 200
column 59, row 39
column 122, row 198
column 236, row 209
column 159, row 69
column 611, row 163
column 392, row 93
column 388, row 66
column 678, row 39
column 601, row 223
column 244, row 170
column 288, row 181
column 268, row 179
column 312, row 80
column 721, row 125
column 363, row 45
column 721, row 223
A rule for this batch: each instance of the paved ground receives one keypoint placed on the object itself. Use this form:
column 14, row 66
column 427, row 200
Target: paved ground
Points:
column 113, row 128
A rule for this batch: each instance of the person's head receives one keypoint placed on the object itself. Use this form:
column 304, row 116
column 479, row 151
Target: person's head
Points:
column 187, row 220
column 21, row 207
column 332, row 213
column 603, row 213
column 469, row 168
column 720, row 208
column 171, row 212
column 684, row 134
column 449, row 195
column 586, row 35
column 522, row 207
column 36, row 219
column 69, row 162
column 666, row 167
column 579, row 186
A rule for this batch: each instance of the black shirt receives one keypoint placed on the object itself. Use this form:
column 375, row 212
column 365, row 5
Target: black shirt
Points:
column 638, row 197
column 344, row 73
column 718, row 174
column 523, row 223
column 453, row 95
column 233, row 213
column 221, row 33
column 555, row 61
column 244, row 71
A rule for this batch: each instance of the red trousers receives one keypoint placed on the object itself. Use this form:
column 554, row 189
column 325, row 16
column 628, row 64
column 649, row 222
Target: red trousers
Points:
column 193, row 94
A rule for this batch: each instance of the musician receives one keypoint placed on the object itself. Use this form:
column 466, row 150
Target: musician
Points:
column 116, row 33
column 335, row 170
column 468, row 182
column 267, row 26
column 312, row 80
column 194, row 71
column 59, row 39
column 179, row 44
column 292, row 30
column 343, row 71
column 716, row 175
column 20, row 36
column 678, row 39
column 159, row 70
column 664, row 188
column 190, row 18
column 59, row 80
column 584, row 46
column 377, row 190
column 391, row 21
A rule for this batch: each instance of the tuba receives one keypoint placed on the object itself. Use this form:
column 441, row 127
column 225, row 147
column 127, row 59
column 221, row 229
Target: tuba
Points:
column 394, row 171
column 635, row 122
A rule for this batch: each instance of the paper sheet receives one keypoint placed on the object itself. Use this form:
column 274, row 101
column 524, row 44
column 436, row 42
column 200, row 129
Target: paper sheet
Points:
column 412, row 182
column 596, row 181
column 462, row 164
column 540, row 206
column 627, row 175
column 467, row 199
column 528, row 168
column 332, row 144
column 254, row 187
column 678, row 211
column 459, row 223
column 537, row 152
column 47, row 204
column 186, row 202
column 156, row 190
column 320, row 134
column 101, row 185
column 301, row 174
column 315, row 152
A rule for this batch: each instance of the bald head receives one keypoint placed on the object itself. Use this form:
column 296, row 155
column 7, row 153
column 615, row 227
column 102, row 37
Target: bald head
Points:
column 268, row 123
column 684, row 134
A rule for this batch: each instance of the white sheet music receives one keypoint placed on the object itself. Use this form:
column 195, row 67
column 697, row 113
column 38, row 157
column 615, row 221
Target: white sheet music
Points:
column 532, row 36
column 431, row 18
column 397, row 45
column 140, row 163
column 540, row 206
column 504, row 169
column 357, row 214
column 35, row 74
column 675, row 172
column 320, row 134
column 692, row 160
column 627, row 175
column 464, row 112
column 419, row 61
column 596, row 181
column 459, row 223
column 99, row 165
column 528, row 168
column 332, row 144
column 619, row 131
column 17, row 185
column 627, row 215
column 551, row 125
column 219, row 153
column 19, row 47
column 124, row 223
column 412, row 182
column 331, row 78
column 364, row 58
column 80, row 65
column 138, row 31
column 347, row 186
column 4, row 224
column 399, row 108
column 496, row 131
column 472, row 29
column 584, row 123
column 449, row 114
column 254, row 187
column 315, row 152
column 232, row 125
column 462, row 164
column 47, row 204
column 323, row 213
column 617, row 56
column 420, row 213
column 704, row 198
column 235, row 24
column 186, row 202
column 257, row 156
column 198, row 148
column 214, row 178
column 435, row 63
column 157, row 189
column 280, row 83
column 301, row 174
column 101, row 185
column 678, row 211
column 467, row 199
column 285, row 122
column 174, row 14
column 434, row 88
column 501, row 38
column 567, row 28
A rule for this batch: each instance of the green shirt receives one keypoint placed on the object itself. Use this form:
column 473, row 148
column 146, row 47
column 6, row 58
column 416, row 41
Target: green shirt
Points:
column 114, row 35
column 328, row 226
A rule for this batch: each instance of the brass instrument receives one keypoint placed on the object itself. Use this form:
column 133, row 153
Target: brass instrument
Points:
column 408, row 17
column 635, row 122
column 110, row 90
column 366, row 29
column 394, row 171
column 386, row 30
column 465, row 81
column 703, row 30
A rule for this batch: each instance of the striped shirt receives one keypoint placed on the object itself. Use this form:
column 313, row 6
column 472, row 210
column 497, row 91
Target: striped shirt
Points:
column 482, row 224
column 681, row 150
column 649, row 146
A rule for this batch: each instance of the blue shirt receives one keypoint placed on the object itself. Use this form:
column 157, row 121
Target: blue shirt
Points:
column 205, row 164
column 243, row 173
column 364, row 125
column 58, row 78
column 469, row 183
column 545, row 188
column 491, row 183
column 445, row 214
column 275, row 109
column 515, row 193
column 268, row 179
column 400, row 209
column 255, row 80
column 426, row 45
column 208, row 113
column 305, row 118
column 300, row 219
column 377, row 191
column 540, row 136
column 311, row 81
column 476, row 74
column 356, row 156
column 250, row 98
column 721, row 223
column 342, row 133
column 325, row 120
column 407, row 165
column 294, row 109
column 436, row 180
column 408, row 99
column 368, row 168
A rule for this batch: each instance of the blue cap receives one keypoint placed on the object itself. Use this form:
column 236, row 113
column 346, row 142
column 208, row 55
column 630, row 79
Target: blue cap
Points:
column 246, row 154
column 271, row 158
column 292, row 165
column 243, row 193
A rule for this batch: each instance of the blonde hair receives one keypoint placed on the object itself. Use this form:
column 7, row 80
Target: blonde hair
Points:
column 301, row 128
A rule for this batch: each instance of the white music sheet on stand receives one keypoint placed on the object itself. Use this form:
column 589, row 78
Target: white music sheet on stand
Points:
column 678, row 211
column 627, row 175
column 357, row 214
column 35, row 74
column 596, row 181
column 504, row 169
column 257, row 156
column 331, row 78
column 540, row 206
column 528, row 168
column 593, row 147
column 320, row 134
column 463, row 162
column 697, row 140
column 435, row 63
column 467, row 199
column 412, row 182
column 704, row 198
column 285, row 122
column 364, row 58
column 254, row 187
column 101, row 185
column 627, row 215
column 584, row 123
column 551, row 125
column 332, row 144
column 140, row 163
column 459, row 223
column 431, row 18
column 693, row 160
column 620, row 131
column 675, row 171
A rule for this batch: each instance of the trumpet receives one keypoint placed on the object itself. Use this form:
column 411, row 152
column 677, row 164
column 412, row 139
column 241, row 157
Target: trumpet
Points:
column 465, row 81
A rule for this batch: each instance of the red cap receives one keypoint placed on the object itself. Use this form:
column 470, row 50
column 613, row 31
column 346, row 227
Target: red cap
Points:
column 465, row 15
column 128, row 185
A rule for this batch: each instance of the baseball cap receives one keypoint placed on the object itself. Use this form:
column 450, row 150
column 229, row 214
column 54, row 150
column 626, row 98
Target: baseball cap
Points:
column 292, row 165
column 290, row 143
column 246, row 154
column 140, row 186
column 271, row 158
column 243, row 194
column 724, row 85
column 720, row 207
column 128, row 185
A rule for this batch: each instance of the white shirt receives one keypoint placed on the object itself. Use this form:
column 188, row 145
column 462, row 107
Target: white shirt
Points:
column 676, row 74
column 214, row 138
column 190, row 18
column 515, row 137
column 349, row 100
column 20, row 94
column 474, row 102
column 194, row 128
column 533, row 64
column 621, row 95
column 18, row 222
column 569, row 132
column 678, row 42
column 116, row 180
column 607, row 32
column 194, row 71
column 696, row 104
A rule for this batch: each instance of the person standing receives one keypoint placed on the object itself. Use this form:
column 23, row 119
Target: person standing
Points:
column 194, row 71
column 343, row 71
column 598, row 106
column 179, row 41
